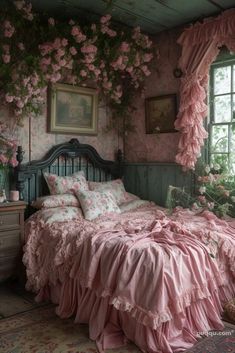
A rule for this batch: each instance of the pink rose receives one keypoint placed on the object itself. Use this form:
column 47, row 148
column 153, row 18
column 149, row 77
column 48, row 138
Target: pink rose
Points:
column 51, row 21
column 8, row 98
column 6, row 58
column 73, row 51
column 105, row 19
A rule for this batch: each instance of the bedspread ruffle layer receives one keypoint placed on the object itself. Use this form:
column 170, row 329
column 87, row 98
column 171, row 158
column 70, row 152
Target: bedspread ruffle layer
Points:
column 111, row 327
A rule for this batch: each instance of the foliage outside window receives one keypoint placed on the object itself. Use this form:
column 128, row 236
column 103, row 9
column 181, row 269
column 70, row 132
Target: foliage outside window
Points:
column 222, row 115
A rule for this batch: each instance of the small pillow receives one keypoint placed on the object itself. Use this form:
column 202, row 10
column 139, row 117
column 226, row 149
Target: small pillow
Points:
column 60, row 214
column 50, row 201
column 95, row 203
column 66, row 184
column 114, row 186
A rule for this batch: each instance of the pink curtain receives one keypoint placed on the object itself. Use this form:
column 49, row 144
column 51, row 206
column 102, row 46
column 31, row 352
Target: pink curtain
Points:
column 200, row 46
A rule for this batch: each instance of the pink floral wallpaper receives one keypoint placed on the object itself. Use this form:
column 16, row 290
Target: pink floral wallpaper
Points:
column 140, row 147
column 36, row 141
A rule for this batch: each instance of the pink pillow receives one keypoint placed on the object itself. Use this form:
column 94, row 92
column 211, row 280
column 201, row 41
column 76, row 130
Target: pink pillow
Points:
column 66, row 184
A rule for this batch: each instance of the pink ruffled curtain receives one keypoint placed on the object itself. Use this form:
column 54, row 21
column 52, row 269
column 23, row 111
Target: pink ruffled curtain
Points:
column 200, row 46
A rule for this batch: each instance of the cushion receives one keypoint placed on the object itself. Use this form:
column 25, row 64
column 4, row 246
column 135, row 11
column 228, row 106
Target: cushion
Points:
column 50, row 201
column 115, row 186
column 60, row 214
column 66, row 184
column 95, row 203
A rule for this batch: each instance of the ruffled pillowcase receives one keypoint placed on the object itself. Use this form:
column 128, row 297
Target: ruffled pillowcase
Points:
column 52, row 201
column 95, row 203
column 116, row 187
column 66, row 184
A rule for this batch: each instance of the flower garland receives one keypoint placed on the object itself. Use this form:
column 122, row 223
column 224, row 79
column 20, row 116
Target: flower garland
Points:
column 35, row 52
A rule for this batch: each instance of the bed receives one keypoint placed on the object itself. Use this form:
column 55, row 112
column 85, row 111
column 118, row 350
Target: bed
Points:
column 134, row 274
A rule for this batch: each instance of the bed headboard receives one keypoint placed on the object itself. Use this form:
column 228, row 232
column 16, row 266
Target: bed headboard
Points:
column 63, row 159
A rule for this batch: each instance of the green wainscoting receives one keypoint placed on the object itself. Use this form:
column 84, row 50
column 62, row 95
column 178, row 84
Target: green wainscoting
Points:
column 150, row 181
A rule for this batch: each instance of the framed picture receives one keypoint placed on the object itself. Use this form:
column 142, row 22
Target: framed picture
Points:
column 72, row 110
column 160, row 114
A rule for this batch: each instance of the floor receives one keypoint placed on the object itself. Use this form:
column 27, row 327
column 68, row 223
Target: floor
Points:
column 14, row 299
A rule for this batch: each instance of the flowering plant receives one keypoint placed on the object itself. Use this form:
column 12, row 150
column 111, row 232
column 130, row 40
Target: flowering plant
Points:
column 37, row 51
column 216, row 191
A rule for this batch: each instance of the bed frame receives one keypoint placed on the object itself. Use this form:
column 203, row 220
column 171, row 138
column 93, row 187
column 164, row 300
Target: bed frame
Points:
column 63, row 159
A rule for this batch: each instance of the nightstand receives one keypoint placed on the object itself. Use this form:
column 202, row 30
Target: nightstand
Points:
column 11, row 237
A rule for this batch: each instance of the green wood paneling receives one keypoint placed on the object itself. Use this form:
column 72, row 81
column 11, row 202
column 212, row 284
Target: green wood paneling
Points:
column 150, row 181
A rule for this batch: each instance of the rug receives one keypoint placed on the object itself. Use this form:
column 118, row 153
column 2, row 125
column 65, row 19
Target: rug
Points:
column 41, row 331
column 216, row 341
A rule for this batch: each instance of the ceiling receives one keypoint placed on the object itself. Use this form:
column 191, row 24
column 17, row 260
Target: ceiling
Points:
column 152, row 16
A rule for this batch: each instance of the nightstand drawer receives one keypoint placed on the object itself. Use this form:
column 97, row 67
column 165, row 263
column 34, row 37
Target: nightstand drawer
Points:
column 9, row 242
column 9, row 220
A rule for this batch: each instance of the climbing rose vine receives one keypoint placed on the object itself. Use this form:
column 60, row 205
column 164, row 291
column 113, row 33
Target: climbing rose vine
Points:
column 36, row 51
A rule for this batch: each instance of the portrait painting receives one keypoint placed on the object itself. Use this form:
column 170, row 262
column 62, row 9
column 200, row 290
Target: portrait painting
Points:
column 160, row 114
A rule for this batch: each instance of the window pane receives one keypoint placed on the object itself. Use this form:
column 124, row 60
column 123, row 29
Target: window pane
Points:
column 219, row 138
column 233, row 78
column 222, row 106
column 222, row 80
column 233, row 113
column 221, row 159
column 232, row 145
column 232, row 163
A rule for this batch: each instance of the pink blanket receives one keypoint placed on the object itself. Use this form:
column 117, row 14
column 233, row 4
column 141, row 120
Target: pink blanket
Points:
column 141, row 275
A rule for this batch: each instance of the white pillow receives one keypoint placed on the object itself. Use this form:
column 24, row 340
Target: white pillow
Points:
column 66, row 184
column 51, row 201
column 116, row 187
column 60, row 214
column 95, row 203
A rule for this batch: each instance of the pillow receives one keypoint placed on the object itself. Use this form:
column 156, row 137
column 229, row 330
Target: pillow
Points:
column 60, row 214
column 116, row 187
column 131, row 197
column 66, row 184
column 50, row 201
column 95, row 203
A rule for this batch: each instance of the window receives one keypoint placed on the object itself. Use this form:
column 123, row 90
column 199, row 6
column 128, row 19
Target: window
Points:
column 222, row 114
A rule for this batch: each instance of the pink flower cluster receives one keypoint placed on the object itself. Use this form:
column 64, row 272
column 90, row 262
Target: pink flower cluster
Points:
column 25, row 9
column 108, row 58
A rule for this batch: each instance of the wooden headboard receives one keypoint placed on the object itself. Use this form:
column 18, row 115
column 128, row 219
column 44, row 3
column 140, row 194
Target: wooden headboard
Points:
column 63, row 159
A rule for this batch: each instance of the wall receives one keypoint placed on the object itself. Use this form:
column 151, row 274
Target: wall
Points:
column 140, row 147
column 33, row 135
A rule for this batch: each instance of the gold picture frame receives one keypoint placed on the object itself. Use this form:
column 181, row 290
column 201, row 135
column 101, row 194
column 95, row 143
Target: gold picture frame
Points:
column 160, row 114
column 72, row 110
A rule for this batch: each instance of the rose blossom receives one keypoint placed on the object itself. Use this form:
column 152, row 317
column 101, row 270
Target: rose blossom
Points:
column 6, row 58
column 51, row 21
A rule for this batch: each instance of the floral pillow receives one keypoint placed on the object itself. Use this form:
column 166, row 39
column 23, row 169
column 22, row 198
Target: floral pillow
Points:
column 66, row 184
column 116, row 187
column 50, row 201
column 60, row 214
column 95, row 203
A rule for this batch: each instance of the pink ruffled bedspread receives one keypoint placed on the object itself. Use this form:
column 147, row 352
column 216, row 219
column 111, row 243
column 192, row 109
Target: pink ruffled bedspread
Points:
column 141, row 275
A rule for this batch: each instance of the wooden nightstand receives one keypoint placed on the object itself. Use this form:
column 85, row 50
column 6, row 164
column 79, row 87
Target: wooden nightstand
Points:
column 11, row 237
